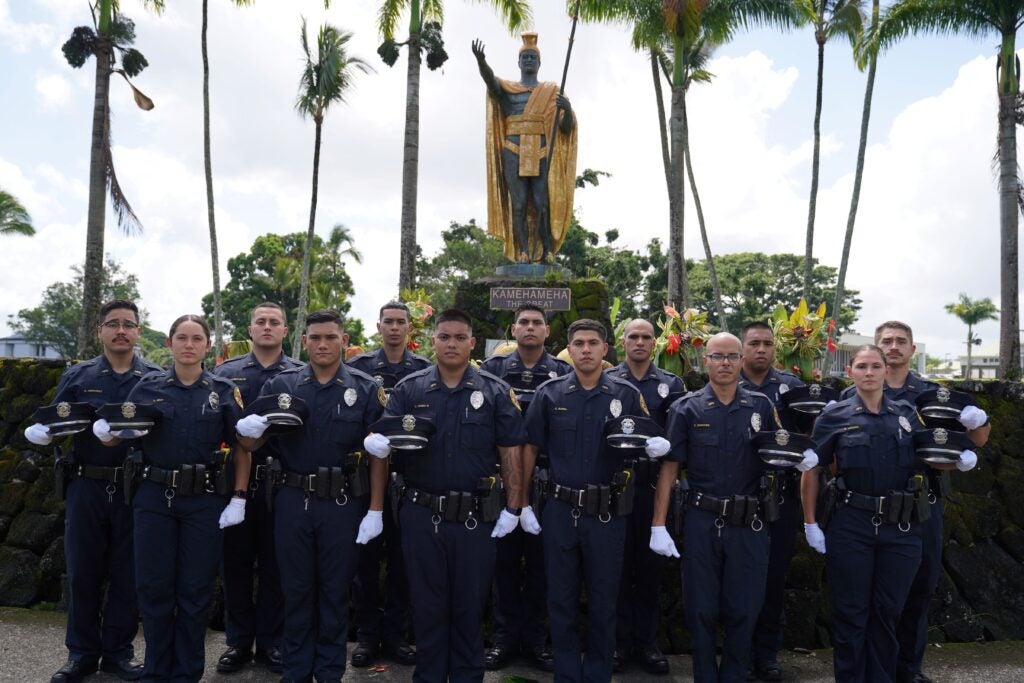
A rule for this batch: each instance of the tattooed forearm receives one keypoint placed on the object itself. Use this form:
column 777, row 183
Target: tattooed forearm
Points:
column 512, row 474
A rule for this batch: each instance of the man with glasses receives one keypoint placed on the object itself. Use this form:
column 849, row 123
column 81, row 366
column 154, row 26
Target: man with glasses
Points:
column 725, row 559
column 97, row 523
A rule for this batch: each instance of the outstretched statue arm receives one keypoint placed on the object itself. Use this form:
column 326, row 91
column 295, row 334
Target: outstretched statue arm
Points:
column 485, row 71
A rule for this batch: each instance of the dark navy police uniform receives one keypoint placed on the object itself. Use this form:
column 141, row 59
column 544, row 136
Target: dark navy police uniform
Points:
column 520, row 587
column 316, row 537
column 449, row 564
column 252, row 542
column 177, row 538
column 98, row 525
column 724, row 563
column 391, row 624
column 567, row 422
column 870, row 564
column 638, row 608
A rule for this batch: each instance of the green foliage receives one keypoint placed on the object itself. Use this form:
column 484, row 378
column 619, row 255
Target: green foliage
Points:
column 432, row 41
column 14, row 219
column 85, row 42
column 468, row 253
column 388, row 52
column 623, row 270
column 327, row 79
column 133, row 62
column 80, row 46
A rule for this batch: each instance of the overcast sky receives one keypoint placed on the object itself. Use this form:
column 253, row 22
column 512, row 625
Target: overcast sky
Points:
column 927, row 226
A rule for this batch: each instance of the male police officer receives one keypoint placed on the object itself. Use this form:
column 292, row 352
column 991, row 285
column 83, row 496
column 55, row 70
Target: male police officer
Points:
column 98, row 525
column 319, row 511
column 252, row 542
column 726, row 554
column 520, row 589
column 759, row 374
column 585, row 533
column 451, row 499
column 638, row 608
column 382, row 621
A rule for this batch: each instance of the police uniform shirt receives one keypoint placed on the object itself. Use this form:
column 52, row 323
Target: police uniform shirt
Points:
column 873, row 452
column 194, row 419
column 547, row 367
column 656, row 386
column 387, row 374
column 95, row 382
column 775, row 384
column 249, row 376
column 566, row 421
column 471, row 421
column 713, row 440
column 914, row 386
column 340, row 412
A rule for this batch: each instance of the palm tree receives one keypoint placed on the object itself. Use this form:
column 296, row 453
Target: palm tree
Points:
column 830, row 18
column 971, row 312
column 980, row 18
column 218, row 309
column 109, row 38
column 14, row 219
column 323, row 83
column 425, row 18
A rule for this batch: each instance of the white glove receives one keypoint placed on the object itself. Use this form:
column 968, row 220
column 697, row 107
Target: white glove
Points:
column 528, row 520
column 128, row 433
column 815, row 537
column 101, row 428
column 378, row 445
column 38, row 434
column 972, row 417
column 371, row 527
column 968, row 460
column 233, row 514
column 251, row 426
column 657, row 446
column 505, row 525
column 662, row 543
column 810, row 460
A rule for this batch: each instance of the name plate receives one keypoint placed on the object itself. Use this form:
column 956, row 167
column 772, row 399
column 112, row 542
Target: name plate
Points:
column 547, row 298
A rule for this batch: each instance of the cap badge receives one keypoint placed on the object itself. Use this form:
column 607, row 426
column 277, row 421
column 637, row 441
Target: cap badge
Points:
column 409, row 423
column 350, row 397
column 379, row 380
column 63, row 409
column 476, row 399
column 942, row 394
column 755, row 422
column 814, row 391
column 284, row 401
column 941, row 436
column 782, row 437
column 128, row 409
column 663, row 390
column 628, row 426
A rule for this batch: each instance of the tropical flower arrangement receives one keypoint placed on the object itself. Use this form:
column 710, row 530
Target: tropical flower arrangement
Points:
column 678, row 346
column 801, row 338
column 419, row 322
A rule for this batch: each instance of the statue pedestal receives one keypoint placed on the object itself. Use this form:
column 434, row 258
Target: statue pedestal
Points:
column 533, row 271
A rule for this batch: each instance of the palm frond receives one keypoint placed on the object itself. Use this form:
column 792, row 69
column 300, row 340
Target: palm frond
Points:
column 388, row 16
column 938, row 17
column 14, row 218
column 127, row 221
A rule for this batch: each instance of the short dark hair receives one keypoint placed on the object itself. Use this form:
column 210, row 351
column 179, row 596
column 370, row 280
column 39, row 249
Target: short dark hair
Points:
column 191, row 317
column 269, row 304
column 586, row 324
column 115, row 304
column 453, row 315
column 396, row 305
column 756, row 325
column 532, row 307
column 896, row 325
column 868, row 347
column 325, row 315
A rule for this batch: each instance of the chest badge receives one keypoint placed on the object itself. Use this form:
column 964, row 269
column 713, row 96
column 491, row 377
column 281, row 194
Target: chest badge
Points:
column 905, row 423
column 350, row 397
column 663, row 390
column 615, row 407
column 408, row 423
column 128, row 409
column 628, row 426
column 284, row 401
column 755, row 422
column 476, row 399
column 783, row 388
column 942, row 393
column 63, row 409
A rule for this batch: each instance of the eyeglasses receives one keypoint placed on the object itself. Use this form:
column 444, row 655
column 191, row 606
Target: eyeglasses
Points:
column 127, row 325
column 720, row 357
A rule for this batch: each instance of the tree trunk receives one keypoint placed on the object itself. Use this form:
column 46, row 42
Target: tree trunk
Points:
column 300, row 317
column 815, row 158
column 1009, row 316
column 218, row 311
column 659, row 98
column 410, row 163
column 92, row 272
column 678, row 290
column 716, row 290
column 970, row 343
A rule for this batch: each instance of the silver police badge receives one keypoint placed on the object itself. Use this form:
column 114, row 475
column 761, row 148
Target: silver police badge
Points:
column 409, row 423
column 476, row 399
column 350, row 396
column 615, row 407
column 379, row 380
column 63, row 409
column 942, row 393
column 214, row 400
column 128, row 409
column 527, row 377
column 782, row 437
column 663, row 390
column 905, row 423
column 941, row 436
column 628, row 426
column 284, row 401
column 755, row 422
column 783, row 388
column 814, row 391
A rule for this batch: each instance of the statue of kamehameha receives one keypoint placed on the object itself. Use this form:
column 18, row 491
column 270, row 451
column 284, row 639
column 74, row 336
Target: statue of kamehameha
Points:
column 529, row 186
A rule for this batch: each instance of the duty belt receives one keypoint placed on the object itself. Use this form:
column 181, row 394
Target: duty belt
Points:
column 189, row 480
column 735, row 510
column 454, row 506
column 327, row 483
column 595, row 499
column 647, row 470
column 115, row 475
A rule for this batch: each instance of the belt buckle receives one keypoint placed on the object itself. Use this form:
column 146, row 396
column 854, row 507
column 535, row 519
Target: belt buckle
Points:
column 441, row 504
column 881, row 504
column 174, row 479
column 310, row 486
column 579, row 498
column 118, row 474
column 261, row 472
column 725, row 506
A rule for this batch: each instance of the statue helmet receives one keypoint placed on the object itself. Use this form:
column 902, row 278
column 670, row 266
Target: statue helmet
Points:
column 529, row 43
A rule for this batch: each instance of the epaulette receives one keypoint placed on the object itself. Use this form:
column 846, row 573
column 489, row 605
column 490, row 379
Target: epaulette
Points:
column 420, row 358
column 364, row 354
column 153, row 376
column 492, row 376
column 413, row 375
column 79, row 367
column 356, row 372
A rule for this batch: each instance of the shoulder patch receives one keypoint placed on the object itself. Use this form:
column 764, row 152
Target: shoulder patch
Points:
column 382, row 398
column 237, row 395
column 515, row 401
column 643, row 405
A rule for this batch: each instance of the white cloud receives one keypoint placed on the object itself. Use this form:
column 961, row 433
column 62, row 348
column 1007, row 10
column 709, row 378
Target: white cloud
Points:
column 54, row 91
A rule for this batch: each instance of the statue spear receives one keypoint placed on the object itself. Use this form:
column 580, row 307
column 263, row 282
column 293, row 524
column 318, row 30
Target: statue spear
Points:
column 561, row 88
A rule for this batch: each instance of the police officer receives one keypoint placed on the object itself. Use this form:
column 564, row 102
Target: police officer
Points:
column 177, row 511
column 382, row 621
column 871, row 558
column 896, row 339
column 249, row 555
column 583, row 533
column 520, row 587
column 638, row 608
column 319, row 512
column 725, row 560
column 97, row 523
column 451, row 498
column 759, row 374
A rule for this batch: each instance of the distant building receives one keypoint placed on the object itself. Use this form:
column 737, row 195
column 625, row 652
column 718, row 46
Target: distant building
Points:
column 20, row 346
column 984, row 362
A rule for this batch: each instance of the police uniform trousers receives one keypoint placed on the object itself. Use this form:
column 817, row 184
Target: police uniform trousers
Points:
column 587, row 553
column 177, row 552
column 98, row 548
column 771, row 622
column 520, row 592
column 638, row 607
column 317, row 558
column 724, row 572
column 912, row 629
column 450, row 569
column 869, row 573
column 392, row 622
column 246, row 544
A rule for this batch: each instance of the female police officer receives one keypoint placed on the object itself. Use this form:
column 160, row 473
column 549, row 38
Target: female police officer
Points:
column 177, row 504
column 874, row 536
